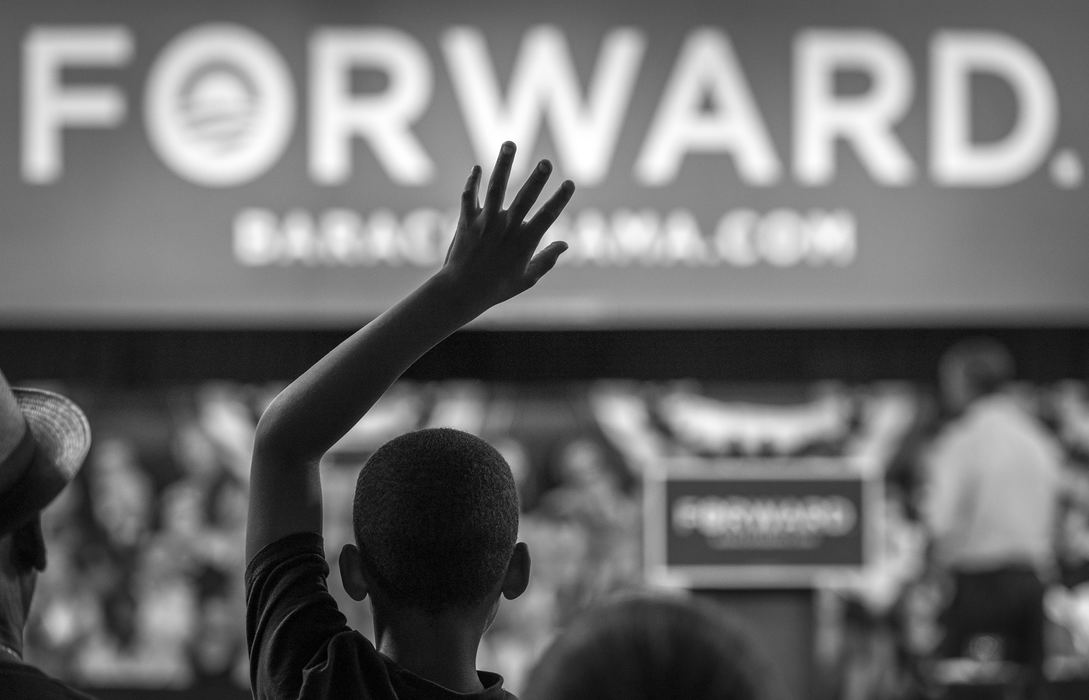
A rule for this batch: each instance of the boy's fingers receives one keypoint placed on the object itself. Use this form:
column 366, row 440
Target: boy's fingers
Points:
column 469, row 200
column 497, row 185
column 525, row 198
column 544, row 261
column 549, row 212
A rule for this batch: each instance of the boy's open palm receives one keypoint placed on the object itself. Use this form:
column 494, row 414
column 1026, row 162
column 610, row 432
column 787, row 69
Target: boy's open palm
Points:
column 491, row 258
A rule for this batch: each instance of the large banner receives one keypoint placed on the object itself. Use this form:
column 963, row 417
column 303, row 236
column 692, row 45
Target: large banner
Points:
column 276, row 162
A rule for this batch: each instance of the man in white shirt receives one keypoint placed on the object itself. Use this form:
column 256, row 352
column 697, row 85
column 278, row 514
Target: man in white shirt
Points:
column 991, row 507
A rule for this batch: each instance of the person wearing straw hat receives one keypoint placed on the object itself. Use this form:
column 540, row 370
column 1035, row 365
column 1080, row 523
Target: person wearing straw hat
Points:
column 44, row 438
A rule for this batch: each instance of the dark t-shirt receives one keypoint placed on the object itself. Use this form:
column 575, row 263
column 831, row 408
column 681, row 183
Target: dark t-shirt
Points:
column 19, row 681
column 301, row 646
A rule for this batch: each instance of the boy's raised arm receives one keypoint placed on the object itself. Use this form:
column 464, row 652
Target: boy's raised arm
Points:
column 490, row 260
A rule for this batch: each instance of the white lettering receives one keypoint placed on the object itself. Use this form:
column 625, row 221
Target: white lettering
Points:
column 382, row 119
column 220, row 105
column 343, row 234
column 954, row 158
column 707, row 69
column 781, row 238
column 48, row 106
column 833, row 237
column 787, row 238
column 711, row 516
column 777, row 238
column 635, row 233
column 732, row 238
column 865, row 121
column 254, row 239
column 683, row 241
column 220, row 109
column 545, row 84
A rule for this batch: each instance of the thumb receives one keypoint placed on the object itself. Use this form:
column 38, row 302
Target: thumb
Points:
column 544, row 261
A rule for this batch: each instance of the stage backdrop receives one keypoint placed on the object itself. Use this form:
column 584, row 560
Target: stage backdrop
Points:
column 276, row 163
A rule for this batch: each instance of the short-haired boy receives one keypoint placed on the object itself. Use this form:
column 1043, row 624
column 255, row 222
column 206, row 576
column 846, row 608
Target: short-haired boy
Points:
column 436, row 512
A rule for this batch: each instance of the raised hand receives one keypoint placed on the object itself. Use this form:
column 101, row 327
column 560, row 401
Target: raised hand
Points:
column 491, row 258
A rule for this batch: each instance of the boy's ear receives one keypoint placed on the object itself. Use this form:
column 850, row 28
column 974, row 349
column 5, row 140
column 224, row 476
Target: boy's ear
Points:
column 351, row 572
column 517, row 577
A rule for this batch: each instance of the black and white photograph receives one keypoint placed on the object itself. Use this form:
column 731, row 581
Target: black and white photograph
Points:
column 563, row 350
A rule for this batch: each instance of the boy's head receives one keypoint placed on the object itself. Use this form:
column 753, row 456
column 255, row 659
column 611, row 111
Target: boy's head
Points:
column 436, row 523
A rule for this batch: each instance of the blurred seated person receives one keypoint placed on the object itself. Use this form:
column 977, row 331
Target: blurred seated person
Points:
column 44, row 439
column 650, row 647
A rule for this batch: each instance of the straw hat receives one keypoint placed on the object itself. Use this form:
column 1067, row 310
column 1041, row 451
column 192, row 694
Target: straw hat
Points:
column 44, row 438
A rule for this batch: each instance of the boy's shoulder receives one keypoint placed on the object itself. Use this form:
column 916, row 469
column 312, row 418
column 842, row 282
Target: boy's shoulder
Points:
column 350, row 666
column 301, row 646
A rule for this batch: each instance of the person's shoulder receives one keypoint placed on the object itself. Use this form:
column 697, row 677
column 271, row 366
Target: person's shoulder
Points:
column 1010, row 415
column 348, row 665
column 955, row 439
column 989, row 419
column 408, row 685
column 291, row 618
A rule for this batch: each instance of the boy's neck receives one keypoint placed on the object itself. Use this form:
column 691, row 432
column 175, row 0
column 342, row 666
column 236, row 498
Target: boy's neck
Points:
column 441, row 649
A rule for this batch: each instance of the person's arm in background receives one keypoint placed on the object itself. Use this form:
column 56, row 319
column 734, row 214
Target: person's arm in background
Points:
column 943, row 497
column 491, row 259
column 942, row 490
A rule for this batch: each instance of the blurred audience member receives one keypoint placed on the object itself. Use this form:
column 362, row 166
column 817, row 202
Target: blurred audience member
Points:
column 650, row 647
column 121, row 493
column 990, row 508
column 591, row 498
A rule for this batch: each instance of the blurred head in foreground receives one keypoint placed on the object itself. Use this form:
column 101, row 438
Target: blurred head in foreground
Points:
column 648, row 647
column 973, row 368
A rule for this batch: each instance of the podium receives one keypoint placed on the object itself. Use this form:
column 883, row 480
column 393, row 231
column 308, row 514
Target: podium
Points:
column 756, row 536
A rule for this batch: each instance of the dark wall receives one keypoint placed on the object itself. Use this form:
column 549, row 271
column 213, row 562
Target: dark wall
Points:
column 133, row 358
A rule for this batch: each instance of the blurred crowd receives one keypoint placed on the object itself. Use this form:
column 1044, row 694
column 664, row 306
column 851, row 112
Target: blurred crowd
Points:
column 143, row 586
column 144, row 582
